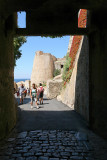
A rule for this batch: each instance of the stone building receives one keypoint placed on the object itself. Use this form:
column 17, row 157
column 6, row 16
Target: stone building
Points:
column 59, row 64
column 43, row 67
column 54, row 87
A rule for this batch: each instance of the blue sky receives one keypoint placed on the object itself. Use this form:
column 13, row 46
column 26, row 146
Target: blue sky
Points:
column 57, row 47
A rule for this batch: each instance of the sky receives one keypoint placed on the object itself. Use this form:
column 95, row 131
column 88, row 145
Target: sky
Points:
column 56, row 46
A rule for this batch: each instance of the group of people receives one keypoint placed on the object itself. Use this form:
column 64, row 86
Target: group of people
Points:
column 36, row 94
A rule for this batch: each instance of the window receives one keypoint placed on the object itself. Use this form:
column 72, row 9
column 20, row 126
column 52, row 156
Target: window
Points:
column 21, row 19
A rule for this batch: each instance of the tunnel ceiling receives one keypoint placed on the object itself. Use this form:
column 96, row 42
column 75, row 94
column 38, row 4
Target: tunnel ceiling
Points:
column 19, row 5
column 51, row 16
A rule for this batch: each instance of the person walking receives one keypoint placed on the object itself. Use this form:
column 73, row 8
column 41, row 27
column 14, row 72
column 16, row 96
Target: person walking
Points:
column 27, row 91
column 33, row 95
column 41, row 92
column 38, row 94
column 21, row 93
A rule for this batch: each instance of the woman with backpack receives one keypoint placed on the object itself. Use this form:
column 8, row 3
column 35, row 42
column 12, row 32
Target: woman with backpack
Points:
column 33, row 95
column 41, row 91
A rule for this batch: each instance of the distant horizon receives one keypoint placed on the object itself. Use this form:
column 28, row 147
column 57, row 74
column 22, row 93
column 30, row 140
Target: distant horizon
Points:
column 20, row 79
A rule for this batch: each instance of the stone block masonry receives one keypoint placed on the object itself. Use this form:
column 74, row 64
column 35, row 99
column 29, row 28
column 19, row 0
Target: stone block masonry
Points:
column 54, row 88
column 76, row 93
column 53, row 19
column 7, row 102
column 47, row 145
column 43, row 67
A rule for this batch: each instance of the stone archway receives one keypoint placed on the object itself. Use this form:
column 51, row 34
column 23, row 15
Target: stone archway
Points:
column 52, row 21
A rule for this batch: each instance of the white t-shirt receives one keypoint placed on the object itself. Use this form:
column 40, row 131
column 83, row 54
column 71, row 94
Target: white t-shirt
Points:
column 27, row 90
column 21, row 90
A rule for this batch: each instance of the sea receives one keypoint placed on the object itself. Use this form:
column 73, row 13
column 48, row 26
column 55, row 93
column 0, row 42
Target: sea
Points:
column 18, row 80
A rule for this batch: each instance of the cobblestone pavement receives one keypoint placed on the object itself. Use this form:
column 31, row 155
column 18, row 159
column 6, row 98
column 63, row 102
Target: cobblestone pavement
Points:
column 47, row 145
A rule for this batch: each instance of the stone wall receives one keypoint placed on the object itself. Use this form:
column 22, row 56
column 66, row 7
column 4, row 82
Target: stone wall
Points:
column 68, row 93
column 7, row 103
column 76, row 93
column 81, row 104
column 53, row 88
column 43, row 67
column 59, row 64
column 98, row 81
column 51, row 21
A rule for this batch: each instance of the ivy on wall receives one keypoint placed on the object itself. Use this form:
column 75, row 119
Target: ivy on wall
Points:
column 82, row 20
column 66, row 71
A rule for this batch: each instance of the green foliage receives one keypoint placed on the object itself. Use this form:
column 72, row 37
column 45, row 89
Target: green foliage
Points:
column 44, row 84
column 57, row 72
column 18, row 42
column 66, row 75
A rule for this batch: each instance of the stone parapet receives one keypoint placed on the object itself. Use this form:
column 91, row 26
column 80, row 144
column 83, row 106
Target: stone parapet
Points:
column 53, row 88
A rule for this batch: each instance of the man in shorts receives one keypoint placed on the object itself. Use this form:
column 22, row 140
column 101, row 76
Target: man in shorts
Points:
column 21, row 93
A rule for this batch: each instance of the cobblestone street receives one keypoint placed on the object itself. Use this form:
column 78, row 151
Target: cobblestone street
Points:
column 48, row 145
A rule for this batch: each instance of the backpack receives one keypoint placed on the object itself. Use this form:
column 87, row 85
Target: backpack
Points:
column 17, row 93
column 41, row 89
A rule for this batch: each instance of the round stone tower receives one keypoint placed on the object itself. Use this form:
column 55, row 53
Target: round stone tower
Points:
column 43, row 67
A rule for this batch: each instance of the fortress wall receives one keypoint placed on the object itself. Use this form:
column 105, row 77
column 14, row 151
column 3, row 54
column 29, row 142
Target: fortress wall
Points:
column 68, row 93
column 43, row 67
column 76, row 93
column 59, row 64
